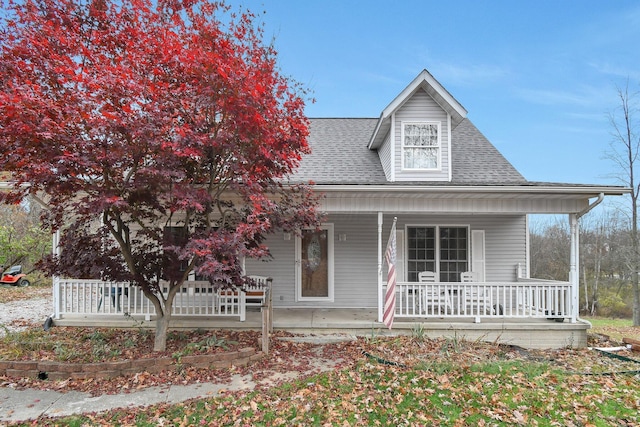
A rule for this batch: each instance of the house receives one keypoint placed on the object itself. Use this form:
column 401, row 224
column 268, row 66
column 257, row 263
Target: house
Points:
column 460, row 211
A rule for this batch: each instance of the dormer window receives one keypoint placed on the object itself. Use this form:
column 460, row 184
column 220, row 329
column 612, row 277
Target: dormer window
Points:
column 421, row 145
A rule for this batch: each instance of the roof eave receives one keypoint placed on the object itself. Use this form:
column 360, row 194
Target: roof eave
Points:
column 480, row 189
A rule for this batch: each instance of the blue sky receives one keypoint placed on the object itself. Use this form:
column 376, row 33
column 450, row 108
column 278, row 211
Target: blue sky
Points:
column 538, row 78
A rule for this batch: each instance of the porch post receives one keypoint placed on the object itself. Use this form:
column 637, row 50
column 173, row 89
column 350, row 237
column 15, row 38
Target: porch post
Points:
column 574, row 266
column 55, row 288
column 380, row 298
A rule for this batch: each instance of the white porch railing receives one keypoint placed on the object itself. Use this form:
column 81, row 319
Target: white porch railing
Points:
column 529, row 298
column 195, row 298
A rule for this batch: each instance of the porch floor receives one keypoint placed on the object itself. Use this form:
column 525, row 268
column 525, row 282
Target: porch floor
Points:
column 528, row 333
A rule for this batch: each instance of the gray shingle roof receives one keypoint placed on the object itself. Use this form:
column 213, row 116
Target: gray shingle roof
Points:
column 339, row 153
column 340, row 156
column 476, row 161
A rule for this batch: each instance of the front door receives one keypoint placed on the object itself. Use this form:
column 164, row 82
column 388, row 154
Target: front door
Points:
column 314, row 262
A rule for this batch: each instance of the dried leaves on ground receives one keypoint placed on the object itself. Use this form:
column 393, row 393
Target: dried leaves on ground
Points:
column 404, row 380
column 289, row 357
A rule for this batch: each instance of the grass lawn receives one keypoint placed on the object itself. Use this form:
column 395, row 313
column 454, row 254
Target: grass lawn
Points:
column 422, row 383
column 614, row 328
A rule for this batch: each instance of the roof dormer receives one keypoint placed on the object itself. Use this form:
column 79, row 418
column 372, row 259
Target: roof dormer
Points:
column 413, row 134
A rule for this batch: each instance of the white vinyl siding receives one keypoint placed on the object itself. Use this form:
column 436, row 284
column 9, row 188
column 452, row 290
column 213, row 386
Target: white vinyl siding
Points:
column 355, row 266
column 385, row 155
column 356, row 254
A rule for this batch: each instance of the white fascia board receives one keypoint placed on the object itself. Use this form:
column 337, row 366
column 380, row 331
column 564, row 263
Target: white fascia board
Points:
column 506, row 189
column 375, row 132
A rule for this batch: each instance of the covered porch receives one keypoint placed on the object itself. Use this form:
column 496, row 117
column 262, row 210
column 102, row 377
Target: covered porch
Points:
column 528, row 313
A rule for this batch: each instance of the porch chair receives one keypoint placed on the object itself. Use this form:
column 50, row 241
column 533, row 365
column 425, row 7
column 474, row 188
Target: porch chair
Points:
column 431, row 299
column 475, row 297
column 255, row 292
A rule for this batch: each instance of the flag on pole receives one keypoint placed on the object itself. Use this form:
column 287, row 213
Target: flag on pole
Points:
column 390, row 296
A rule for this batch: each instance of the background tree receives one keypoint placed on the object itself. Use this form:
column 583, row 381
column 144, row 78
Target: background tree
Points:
column 549, row 242
column 604, row 259
column 161, row 133
column 22, row 240
column 623, row 152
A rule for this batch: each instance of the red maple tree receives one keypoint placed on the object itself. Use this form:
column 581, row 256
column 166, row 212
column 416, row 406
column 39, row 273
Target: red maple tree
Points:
column 137, row 115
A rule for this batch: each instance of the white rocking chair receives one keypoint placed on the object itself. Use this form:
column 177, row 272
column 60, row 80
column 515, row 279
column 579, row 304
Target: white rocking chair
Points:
column 431, row 299
column 476, row 299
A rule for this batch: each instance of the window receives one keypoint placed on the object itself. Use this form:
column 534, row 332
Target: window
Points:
column 444, row 247
column 421, row 145
column 453, row 253
column 421, row 242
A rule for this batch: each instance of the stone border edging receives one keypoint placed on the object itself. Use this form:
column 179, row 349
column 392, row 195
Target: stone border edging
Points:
column 48, row 369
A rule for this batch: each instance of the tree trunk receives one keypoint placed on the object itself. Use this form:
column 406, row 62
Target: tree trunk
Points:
column 162, row 327
column 636, row 303
column 635, row 289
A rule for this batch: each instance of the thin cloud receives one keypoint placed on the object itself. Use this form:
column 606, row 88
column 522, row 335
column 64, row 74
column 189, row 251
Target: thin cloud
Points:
column 585, row 96
column 470, row 75
column 616, row 71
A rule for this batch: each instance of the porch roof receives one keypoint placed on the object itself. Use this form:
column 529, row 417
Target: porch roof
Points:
column 530, row 198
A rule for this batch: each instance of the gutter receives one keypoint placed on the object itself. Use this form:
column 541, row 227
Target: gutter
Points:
column 488, row 189
column 591, row 206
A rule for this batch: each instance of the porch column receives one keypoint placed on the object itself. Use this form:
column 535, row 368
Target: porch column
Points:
column 55, row 285
column 380, row 298
column 574, row 267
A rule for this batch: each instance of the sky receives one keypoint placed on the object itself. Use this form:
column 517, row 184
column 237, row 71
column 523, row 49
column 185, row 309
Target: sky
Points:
column 538, row 78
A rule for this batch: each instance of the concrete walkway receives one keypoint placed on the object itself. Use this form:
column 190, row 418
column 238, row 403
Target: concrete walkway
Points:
column 23, row 405
column 30, row 404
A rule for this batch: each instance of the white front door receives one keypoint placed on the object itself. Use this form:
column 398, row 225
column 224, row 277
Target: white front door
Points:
column 314, row 264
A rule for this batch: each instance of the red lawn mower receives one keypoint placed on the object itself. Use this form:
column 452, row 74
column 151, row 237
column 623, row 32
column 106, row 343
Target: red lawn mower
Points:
column 14, row 276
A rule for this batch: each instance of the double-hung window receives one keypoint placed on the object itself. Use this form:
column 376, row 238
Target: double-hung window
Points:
column 443, row 250
column 421, row 145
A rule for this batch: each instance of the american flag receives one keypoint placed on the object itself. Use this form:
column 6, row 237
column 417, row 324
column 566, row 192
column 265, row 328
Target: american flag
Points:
column 390, row 296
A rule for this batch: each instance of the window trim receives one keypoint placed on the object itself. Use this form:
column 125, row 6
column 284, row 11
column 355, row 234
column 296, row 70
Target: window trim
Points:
column 437, row 249
column 403, row 147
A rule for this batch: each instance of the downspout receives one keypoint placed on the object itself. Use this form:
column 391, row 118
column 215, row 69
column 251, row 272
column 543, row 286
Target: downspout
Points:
column 574, row 272
column 574, row 256
column 591, row 206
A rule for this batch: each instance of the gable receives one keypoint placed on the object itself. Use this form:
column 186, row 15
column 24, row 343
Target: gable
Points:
column 418, row 114
column 426, row 82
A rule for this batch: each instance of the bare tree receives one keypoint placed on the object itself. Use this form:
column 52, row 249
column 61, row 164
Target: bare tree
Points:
column 549, row 245
column 623, row 152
